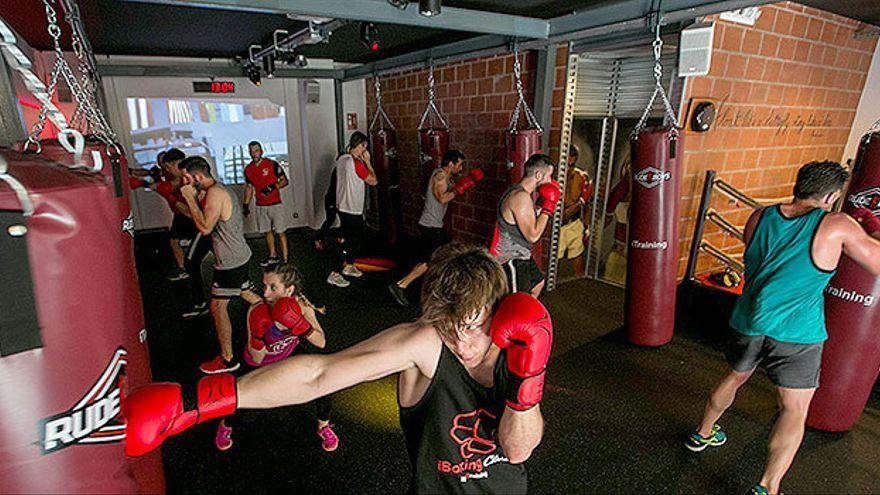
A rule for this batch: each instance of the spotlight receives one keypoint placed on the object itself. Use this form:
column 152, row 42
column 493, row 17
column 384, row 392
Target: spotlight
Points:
column 253, row 74
column 269, row 65
column 299, row 61
column 429, row 8
column 400, row 4
column 370, row 36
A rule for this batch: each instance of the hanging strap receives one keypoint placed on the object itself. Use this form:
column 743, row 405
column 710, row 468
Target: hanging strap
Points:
column 381, row 117
column 521, row 105
column 658, row 90
column 27, row 206
column 432, row 108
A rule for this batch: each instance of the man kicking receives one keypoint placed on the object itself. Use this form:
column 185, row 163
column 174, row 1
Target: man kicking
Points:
column 521, row 223
column 440, row 193
column 792, row 250
column 221, row 218
column 264, row 180
column 470, row 375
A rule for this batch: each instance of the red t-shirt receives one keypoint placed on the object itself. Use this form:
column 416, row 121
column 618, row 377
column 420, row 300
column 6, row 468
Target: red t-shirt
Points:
column 166, row 190
column 260, row 175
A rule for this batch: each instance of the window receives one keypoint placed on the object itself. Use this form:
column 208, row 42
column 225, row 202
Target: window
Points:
column 218, row 130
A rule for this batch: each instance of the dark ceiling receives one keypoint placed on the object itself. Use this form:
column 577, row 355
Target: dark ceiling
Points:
column 119, row 27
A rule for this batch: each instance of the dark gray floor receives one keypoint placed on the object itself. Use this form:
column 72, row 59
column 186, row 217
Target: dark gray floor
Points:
column 615, row 414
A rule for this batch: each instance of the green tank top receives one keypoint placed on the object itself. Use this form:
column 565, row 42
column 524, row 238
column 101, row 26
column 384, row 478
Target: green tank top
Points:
column 782, row 297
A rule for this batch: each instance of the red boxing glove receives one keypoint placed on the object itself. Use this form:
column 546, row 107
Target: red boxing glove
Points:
column 549, row 194
column 586, row 192
column 867, row 220
column 289, row 315
column 155, row 412
column 522, row 325
column 464, row 184
column 259, row 322
column 360, row 168
column 476, row 174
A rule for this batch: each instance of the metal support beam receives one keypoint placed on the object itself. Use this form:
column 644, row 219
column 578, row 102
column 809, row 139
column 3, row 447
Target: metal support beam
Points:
column 11, row 128
column 451, row 18
column 545, row 81
column 208, row 70
column 340, row 115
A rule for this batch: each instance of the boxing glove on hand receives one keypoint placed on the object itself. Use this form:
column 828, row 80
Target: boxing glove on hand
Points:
column 548, row 196
column 586, row 192
column 476, row 174
column 288, row 314
column 522, row 325
column 155, row 412
column 246, row 209
column 463, row 185
column 867, row 220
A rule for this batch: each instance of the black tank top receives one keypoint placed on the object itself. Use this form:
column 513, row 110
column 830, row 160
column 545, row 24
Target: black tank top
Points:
column 451, row 434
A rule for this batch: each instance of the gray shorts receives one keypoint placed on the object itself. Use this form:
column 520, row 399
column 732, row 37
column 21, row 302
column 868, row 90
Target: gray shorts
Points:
column 272, row 218
column 788, row 365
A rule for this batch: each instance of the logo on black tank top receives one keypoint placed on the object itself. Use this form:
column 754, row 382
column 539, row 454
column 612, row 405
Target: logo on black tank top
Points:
column 95, row 418
column 869, row 198
column 474, row 432
column 651, row 177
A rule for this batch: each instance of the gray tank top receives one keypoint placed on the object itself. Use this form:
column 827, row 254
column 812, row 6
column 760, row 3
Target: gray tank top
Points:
column 512, row 244
column 230, row 248
column 434, row 211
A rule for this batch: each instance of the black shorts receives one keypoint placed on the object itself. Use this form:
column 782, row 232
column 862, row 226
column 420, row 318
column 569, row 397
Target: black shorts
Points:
column 229, row 284
column 431, row 239
column 522, row 275
column 182, row 227
column 788, row 365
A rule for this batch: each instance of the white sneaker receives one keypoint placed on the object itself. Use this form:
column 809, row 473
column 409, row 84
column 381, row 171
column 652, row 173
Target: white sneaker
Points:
column 351, row 271
column 337, row 280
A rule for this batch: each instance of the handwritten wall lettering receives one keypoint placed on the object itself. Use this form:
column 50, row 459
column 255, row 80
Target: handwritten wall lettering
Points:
column 780, row 119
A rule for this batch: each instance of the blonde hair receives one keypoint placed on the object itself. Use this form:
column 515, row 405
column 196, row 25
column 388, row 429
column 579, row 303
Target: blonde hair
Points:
column 461, row 280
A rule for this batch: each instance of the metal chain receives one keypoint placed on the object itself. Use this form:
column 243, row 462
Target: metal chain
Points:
column 521, row 104
column 431, row 84
column 380, row 112
column 658, row 90
column 40, row 124
column 431, row 104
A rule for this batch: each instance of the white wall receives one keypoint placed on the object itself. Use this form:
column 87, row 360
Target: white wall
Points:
column 868, row 110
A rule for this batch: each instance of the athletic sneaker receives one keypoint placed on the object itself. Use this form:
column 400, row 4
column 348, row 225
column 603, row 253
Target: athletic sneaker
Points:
column 178, row 275
column 351, row 271
column 697, row 443
column 757, row 489
column 337, row 280
column 223, row 440
column 219, row 365
column 196, row 311
column 329, row 440
column 272, row 260
column 397, row 292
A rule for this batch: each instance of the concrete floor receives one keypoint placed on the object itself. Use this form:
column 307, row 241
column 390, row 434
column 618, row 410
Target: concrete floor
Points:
column 616, row 415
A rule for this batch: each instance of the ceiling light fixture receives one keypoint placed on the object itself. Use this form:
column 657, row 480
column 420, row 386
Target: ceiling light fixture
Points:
column 269, row 65
column 400, row 4
column 370, row 36
column 429, row 8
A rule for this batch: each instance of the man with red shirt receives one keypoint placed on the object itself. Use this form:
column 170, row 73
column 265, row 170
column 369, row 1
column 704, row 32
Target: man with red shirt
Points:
column 265, row 179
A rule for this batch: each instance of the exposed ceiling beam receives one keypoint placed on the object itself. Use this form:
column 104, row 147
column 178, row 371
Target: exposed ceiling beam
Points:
column 207, row 71
column 451, row 18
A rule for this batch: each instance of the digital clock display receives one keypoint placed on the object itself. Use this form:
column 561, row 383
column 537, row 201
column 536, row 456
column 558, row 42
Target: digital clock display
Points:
column 218, row 87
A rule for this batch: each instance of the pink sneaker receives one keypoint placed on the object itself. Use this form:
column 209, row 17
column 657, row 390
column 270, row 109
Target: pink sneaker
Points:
column 223, row 440
column 329, row 440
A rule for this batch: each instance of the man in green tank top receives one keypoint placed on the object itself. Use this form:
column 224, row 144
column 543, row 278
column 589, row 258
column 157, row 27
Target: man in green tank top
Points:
column 792, row 250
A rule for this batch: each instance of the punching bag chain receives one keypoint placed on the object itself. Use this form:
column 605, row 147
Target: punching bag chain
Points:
column 431, row 105
column 658, row 90
column 521, row 104
column 380, row 112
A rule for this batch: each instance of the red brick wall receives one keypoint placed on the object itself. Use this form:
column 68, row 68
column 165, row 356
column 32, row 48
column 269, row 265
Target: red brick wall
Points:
column 476, row 97
column 787, row 90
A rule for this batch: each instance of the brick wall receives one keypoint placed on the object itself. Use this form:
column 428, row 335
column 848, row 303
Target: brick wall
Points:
column 786, row 92
column 476, row 97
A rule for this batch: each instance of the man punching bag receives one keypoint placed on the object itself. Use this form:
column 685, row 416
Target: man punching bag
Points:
column 851, row 357
column 72, row 336
column 652, row 260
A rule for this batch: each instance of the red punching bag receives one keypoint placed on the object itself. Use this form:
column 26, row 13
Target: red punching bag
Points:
column 851, row 357
column 383, row 142
column 433, row 144
column 520, row 144
column 652, row 260
column 72, row 336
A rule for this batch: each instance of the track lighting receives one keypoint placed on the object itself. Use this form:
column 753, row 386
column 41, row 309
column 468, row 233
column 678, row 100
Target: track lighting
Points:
column 429, row 8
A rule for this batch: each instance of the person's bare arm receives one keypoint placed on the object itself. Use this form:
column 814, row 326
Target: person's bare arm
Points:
column 440, row 187
column 182, row 208
column 283, row 182
column 520, row 432
column 524, row 214
column 306, row 377
column 857, row 244
column 751, row 225
column 248, row 193
column 204, row 220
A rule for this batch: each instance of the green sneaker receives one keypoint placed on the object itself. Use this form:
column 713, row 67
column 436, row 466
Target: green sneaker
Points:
column 696, row 443
column 757, row 489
